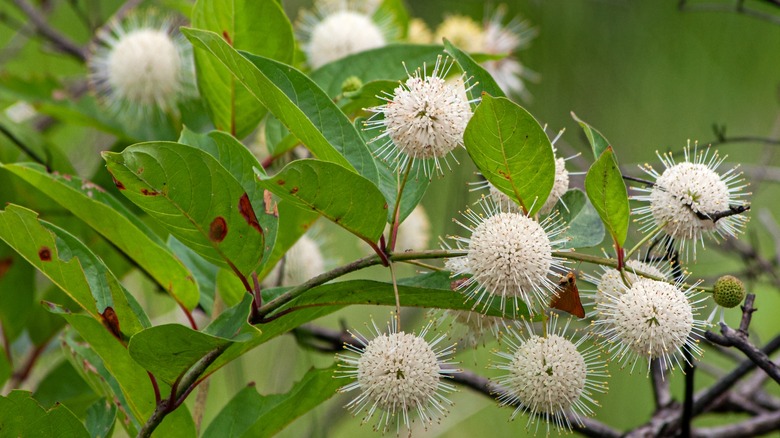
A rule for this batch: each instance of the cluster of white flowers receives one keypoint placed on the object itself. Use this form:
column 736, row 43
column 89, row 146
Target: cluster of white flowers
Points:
column 495, row 36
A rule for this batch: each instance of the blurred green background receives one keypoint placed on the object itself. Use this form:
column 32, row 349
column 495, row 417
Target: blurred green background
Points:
column 647, row 75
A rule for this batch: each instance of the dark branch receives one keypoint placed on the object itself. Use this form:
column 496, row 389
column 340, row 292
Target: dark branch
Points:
column 758, row 425
column 739, row 339
column 60, row 41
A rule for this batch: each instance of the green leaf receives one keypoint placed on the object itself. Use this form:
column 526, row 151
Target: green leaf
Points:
column 257, row 26
column 17, row 293
column 194, row 197
column 240, row 162
column 429, row 290
column 69, row 264
column 607, row 191
column 297, row 102
column 132, row 379
column 367, row 96
column 92, row 369
column 384, row 63
column 346, row 198
column 110, row 218
column 598, row 142
column 100, row 418
column 63, row 384
column 231, row 321
column 389, row 179
column 204, row 272
column 482, row 80
column 169, row 350
column 250, row 414
column 512, row 151
column 22, row 416
column 583, row 224
column 294, row 220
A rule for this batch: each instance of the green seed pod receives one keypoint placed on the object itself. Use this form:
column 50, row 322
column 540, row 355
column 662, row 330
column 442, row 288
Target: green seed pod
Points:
column 729, row 291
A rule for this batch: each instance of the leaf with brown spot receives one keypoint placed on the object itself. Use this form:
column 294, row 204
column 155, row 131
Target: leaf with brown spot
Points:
column 246, row 210
column 111, row 321
column 218, row 229
column 5, row 265
column 44, row 254
column 147, row 192
column 118, row 183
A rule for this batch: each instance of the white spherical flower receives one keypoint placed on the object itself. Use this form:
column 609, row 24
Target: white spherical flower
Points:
column 652, row 320
column 506, row 39
column 611, row 282
column 337, row 29
column 510, row 257
column 687, row 194
column 462, row 31
column 398, row 373
column 139, row 65
column 302, row 262
column 419, row 32
column 551, row 377
column 424, row 119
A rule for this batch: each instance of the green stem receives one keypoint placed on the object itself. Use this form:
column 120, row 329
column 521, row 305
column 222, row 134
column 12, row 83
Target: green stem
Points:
column 587, row 258
column 357, row 265
column 397, row 209
column 645, row 239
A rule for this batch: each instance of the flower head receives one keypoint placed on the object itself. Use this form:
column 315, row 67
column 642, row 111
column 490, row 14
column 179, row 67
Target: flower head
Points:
column 340, row 28
column 507, row 39
column 140, row 65
column 510, row 257
column 462, row 31
column 686, row 196
column 419, row 32
column 610, row 283
column 550, row 377
column 398, row 373
column 424, row 119
column 652, row 320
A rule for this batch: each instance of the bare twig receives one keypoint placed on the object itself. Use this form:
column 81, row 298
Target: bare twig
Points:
column 661, row 392
column 758, row 425
column 60, row 41
column 739, row 339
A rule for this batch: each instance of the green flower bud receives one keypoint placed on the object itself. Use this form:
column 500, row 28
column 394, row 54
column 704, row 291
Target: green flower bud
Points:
column 729, row 291
column 351, row 84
